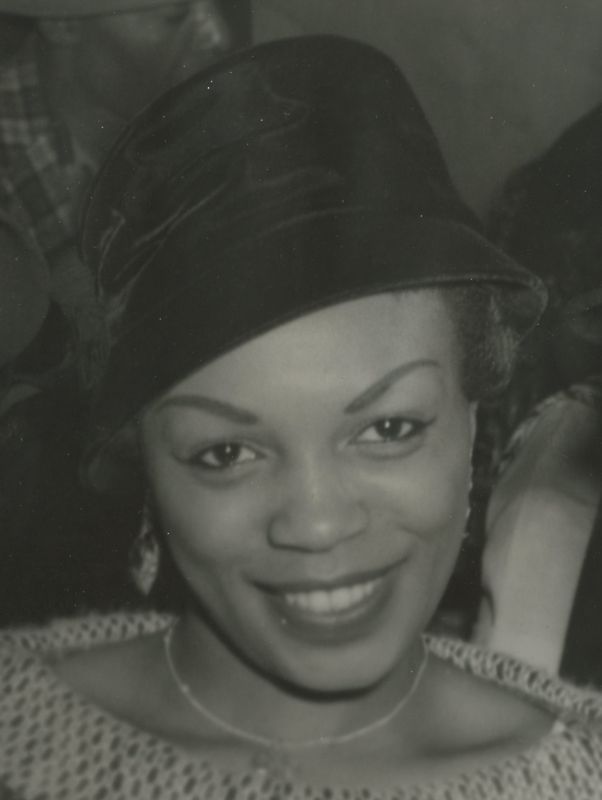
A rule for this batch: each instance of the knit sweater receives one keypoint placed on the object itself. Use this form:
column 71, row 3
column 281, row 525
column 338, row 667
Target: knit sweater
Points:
column 56, row 744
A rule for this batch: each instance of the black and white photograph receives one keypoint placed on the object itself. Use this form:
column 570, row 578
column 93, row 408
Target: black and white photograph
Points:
column 300, row 400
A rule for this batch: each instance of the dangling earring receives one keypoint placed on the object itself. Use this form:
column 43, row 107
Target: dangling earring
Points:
column 145, row 554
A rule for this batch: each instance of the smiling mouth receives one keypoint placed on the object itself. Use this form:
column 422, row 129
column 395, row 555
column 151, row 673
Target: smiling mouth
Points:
column 323, row 602
column 337, row 612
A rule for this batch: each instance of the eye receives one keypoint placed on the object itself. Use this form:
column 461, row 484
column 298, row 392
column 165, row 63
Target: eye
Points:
column 224, row 456
column 392, row 431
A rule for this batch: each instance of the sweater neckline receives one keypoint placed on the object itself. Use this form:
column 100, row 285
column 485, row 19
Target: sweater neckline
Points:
column 263, row 778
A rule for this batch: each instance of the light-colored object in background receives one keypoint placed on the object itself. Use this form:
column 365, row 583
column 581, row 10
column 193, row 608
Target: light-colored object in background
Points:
column 539, row 523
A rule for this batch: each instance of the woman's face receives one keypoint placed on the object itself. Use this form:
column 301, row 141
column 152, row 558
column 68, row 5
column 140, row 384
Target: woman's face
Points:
column 313, row 485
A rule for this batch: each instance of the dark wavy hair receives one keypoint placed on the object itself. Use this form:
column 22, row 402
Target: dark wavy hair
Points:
column 487, row 340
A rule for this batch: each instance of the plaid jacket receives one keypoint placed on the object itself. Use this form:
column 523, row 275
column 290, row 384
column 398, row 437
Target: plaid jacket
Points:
column 43, row 182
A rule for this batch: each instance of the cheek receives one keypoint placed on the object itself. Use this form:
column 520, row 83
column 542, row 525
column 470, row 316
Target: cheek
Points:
column 429, row 493
column 207, row 525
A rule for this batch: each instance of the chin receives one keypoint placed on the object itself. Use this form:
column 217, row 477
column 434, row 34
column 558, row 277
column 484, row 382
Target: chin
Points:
column 342, row 674
column 340, row 648
column 312, row 649
column 337, row 665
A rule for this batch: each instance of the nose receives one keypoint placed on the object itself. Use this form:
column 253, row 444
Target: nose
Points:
column 208, row 27
column 319, row 509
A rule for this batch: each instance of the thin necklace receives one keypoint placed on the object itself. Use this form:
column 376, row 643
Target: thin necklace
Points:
column 266, row 741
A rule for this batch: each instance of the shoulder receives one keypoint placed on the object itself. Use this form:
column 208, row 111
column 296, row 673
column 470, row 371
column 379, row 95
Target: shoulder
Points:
column 482, row 687
column 472, row 711
column 47, row 703
column 502, row 721
column 46, row 672
column 122, row 678
column 31, row 652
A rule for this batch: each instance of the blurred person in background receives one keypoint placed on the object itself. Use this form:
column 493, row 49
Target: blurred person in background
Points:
column 80, row 71
column 541, row 589
column 548, row 216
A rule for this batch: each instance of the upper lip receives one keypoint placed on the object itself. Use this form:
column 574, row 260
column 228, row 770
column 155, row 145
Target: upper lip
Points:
column 326, row 585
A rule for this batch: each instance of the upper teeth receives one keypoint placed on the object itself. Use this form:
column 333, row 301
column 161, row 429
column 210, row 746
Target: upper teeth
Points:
column 324, row 602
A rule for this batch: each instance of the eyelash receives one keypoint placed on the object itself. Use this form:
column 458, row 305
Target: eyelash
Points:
column 393, row 434
column 200, row 459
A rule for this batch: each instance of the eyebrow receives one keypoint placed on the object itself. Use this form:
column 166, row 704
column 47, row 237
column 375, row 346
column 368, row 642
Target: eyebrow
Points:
column 378, row 389
column 242, row 416
column 219, row 407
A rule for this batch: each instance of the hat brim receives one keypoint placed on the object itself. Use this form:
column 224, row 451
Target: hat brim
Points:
column 190, row 328
column 77, row 8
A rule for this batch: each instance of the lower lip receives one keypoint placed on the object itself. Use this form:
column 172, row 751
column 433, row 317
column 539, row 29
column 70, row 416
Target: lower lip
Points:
column 334, row 627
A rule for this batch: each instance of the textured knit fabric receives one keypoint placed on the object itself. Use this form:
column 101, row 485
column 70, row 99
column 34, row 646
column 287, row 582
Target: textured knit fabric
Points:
column 36, row 156
column 55, row 744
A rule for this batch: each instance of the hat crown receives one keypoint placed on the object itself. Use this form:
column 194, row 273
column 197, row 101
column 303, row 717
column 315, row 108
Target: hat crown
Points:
column 306, row 125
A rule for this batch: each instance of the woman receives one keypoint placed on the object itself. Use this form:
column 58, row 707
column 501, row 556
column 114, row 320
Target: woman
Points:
column 302, row 317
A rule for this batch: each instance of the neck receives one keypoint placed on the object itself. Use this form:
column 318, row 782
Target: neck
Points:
column 92, row 125
column 236, row 693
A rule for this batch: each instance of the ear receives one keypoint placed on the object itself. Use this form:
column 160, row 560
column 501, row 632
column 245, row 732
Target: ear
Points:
column 60, row 32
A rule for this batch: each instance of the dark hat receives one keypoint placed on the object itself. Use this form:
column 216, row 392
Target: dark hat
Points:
column 294, row 175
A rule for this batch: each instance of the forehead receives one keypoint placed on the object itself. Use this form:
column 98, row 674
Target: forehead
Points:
column 350, row 342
